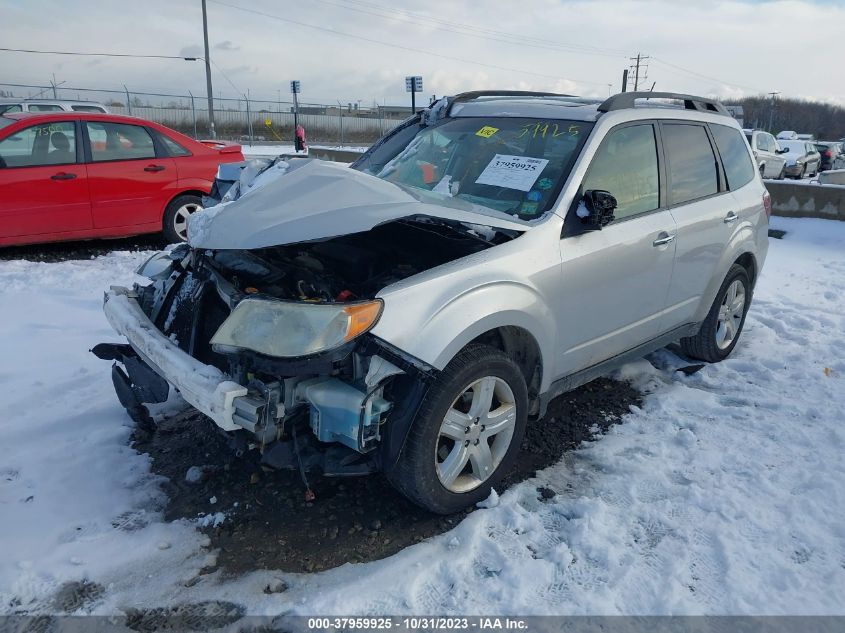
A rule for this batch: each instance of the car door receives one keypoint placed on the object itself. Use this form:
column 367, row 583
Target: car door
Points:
column 130, row 180
column 761, row 152
column 43, row 182
column 704, row 211
column 766, row 151
column 813, row 158
column 615, row 280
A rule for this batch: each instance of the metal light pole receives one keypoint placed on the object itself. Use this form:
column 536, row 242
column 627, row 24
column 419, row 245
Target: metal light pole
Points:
column 413, row 84
column 294, row 88
column 211, row 130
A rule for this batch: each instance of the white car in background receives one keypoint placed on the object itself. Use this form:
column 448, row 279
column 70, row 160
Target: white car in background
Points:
column 768, row 155
column 802, row 158
column 8, row 106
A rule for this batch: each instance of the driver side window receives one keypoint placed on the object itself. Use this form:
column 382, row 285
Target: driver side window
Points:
column 626, row 166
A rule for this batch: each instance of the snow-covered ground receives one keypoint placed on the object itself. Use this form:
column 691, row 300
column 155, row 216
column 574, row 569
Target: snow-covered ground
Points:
column 724, row 494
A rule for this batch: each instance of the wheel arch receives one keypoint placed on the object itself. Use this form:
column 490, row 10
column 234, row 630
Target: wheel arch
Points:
column 749, row 263
column 523, row 348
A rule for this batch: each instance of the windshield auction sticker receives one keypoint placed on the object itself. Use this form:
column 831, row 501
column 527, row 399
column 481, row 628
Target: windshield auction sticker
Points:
column 513, row 172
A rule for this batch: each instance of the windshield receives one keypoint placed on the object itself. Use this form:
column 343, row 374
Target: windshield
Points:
column 794, row 147
column 512, row 165
column 5, row 121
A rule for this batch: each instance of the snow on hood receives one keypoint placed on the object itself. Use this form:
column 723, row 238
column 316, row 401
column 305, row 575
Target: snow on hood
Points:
column 320, row 200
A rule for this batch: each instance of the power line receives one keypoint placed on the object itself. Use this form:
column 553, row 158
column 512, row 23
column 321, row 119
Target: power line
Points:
column 78, row 53
column 469, row 30
column 402, row 47
column 702, row 76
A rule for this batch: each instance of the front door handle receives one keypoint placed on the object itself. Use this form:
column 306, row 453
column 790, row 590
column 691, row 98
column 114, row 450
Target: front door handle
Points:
column 663, row 239
column 731, row 217
column 63, row 175
column 154, row 168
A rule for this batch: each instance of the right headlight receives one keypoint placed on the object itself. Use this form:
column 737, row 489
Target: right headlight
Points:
column 290, row 329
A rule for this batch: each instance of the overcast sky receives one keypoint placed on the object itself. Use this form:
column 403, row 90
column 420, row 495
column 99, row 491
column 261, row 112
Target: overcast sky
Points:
column 352, row 50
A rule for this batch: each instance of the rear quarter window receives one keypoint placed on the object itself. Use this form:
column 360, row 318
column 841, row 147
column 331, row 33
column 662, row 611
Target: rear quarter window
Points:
column 691, row 162
column 734, row 153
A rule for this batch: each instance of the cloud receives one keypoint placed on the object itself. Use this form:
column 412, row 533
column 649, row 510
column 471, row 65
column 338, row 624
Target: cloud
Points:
column 728, row 48
column 226, row 45
column 191, row 51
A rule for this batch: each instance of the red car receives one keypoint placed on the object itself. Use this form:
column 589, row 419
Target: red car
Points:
column 81, row 175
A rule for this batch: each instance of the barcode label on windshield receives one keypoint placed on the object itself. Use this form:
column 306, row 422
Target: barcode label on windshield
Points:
column 513, row 172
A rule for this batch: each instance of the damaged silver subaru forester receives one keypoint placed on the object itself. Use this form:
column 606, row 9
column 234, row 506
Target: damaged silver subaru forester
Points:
column 412, row 313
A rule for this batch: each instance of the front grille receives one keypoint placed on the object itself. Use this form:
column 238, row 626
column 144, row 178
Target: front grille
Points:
column 192, row 313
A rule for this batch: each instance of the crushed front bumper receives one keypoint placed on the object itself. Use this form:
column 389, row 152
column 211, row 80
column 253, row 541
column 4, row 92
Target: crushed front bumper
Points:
column 203, row 386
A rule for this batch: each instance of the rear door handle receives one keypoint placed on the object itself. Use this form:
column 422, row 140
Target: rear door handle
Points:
column 663, row 239
column 731, row 217
column 154, row 168
column 63, row 175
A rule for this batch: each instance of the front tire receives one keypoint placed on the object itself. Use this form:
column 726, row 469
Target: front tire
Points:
column 467, row 433
column 175, row 225
column 720, row 331
column 782, row 173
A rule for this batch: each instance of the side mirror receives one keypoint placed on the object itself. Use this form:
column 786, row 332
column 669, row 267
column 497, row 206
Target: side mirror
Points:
column 596, row 209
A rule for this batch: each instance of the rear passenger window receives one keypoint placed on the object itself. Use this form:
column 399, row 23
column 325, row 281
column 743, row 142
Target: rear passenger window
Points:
column 626, row 166
column 738, row 166
column 118, row 141
column 44, row 107
column 692, row 164
column 173, row 148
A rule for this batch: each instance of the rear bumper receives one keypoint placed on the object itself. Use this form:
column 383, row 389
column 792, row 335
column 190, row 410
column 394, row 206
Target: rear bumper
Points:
column 205, row 387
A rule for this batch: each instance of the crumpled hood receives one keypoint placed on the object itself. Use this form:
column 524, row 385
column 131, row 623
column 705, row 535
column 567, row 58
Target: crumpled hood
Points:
column 320, row 200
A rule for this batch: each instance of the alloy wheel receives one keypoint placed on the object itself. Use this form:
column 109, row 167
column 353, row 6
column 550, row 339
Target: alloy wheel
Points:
column 475, row 434
column 180, row 219
column 730, row 314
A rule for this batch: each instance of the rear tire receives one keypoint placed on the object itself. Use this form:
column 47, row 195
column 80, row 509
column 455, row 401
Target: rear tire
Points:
column 175, row 225
column 720, row 331
column 440, row 468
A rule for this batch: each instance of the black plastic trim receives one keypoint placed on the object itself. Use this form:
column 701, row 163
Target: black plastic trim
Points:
column 626, row 100
column 582, row 377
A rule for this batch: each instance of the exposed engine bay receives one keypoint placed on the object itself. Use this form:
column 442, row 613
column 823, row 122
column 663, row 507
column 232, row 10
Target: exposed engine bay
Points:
column 351, row 267
column 346, row 393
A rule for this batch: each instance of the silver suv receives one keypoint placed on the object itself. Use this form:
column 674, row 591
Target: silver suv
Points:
column 413, row 313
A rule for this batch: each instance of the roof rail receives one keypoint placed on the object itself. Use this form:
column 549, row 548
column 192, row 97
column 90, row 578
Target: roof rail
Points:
column 475, row 94
column 625, row 100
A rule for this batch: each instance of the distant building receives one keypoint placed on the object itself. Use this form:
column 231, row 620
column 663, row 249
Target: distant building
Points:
column 395, row 112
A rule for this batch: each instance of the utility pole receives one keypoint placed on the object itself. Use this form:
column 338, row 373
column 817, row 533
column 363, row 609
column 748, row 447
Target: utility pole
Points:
column 772, row 110
column 210, row 94
column 625, row 80
column 640, row 69
column 53, row 83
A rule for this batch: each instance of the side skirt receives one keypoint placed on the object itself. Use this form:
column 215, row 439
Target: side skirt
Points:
column 582, row 377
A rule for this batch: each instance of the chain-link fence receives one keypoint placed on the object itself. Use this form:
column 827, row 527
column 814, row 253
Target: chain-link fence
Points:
column 244, row 119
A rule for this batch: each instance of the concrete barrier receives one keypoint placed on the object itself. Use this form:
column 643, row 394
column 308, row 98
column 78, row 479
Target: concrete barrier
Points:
column 807, row 200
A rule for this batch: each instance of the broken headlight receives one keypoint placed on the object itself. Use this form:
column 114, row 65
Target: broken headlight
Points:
column 289, row 329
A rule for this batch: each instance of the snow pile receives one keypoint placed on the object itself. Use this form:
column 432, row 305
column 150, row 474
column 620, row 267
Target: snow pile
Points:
column 723, row 494
column 76, row 501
